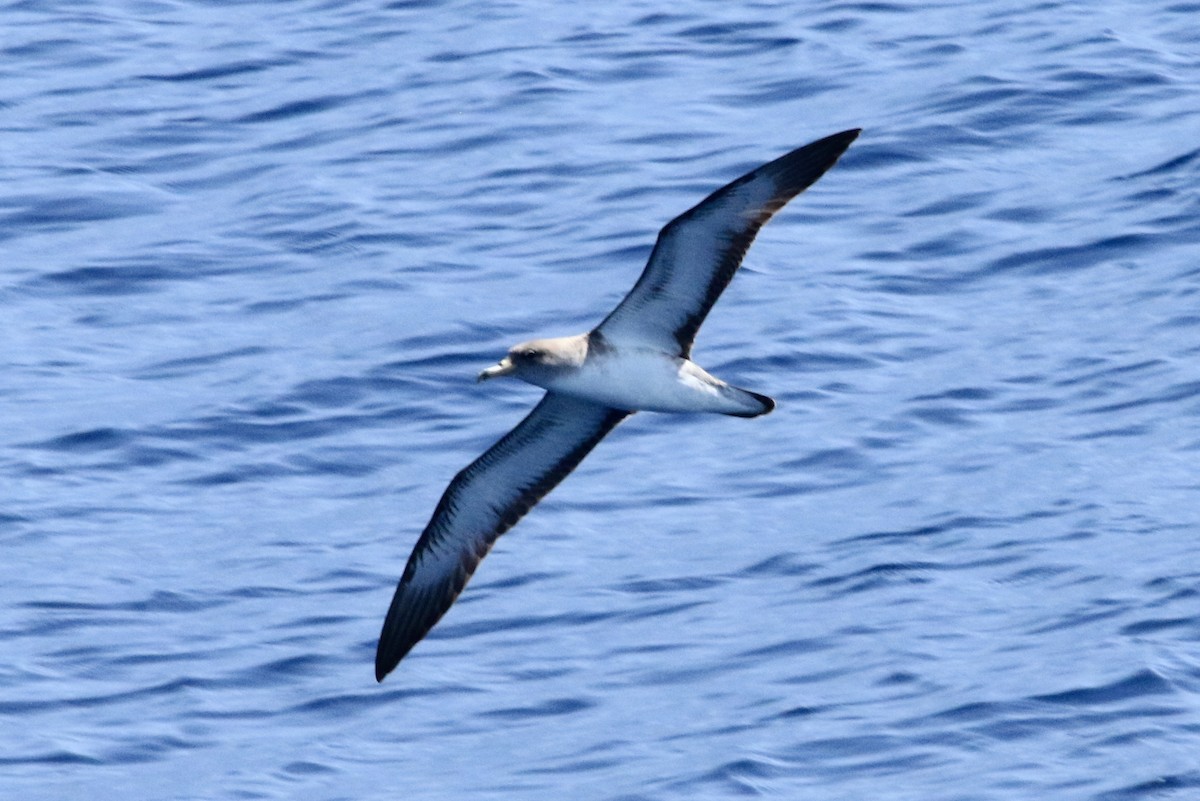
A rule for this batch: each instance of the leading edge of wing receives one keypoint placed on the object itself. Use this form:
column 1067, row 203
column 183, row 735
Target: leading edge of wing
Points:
column 483, row 501
column 698, row 252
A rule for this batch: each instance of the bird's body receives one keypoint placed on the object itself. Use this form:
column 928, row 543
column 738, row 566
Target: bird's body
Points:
column 635, row 378
column 637, row 359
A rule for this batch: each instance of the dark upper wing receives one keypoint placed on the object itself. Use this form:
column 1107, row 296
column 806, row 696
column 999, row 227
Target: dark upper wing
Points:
column 482, row 502
column 698, row 252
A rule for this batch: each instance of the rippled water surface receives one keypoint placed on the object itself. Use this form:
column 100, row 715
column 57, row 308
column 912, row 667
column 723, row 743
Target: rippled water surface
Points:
column 254, row 254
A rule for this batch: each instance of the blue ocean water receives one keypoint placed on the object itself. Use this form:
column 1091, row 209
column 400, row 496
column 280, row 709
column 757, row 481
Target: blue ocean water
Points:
column 253, row 255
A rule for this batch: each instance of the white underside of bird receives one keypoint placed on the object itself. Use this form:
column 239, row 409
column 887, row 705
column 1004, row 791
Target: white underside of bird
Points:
column 633, row 377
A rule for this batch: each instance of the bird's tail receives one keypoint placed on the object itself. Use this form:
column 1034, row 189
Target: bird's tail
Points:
column 753, row 404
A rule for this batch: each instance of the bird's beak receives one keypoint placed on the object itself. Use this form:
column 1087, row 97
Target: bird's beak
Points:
column 504, row 367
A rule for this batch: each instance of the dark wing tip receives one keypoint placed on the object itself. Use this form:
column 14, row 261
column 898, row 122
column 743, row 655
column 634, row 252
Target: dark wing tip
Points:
column 384, row 665
column 840, row 140
column 801, row 168
column 395, row 640
column 413, row 612
column 389, row 653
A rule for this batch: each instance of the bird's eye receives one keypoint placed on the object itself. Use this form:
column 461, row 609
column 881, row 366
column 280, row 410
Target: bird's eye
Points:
column 528, row 353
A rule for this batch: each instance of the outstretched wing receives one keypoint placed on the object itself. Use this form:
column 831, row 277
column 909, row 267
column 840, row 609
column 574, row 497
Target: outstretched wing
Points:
column 698, row 252
column 482, row 502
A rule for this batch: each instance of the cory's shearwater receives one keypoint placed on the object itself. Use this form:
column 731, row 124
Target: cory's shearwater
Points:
column 637, row 359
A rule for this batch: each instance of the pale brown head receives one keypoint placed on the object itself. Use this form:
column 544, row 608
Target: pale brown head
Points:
column 539, row 359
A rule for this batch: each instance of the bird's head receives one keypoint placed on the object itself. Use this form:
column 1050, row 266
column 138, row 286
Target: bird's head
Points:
column 539, row 360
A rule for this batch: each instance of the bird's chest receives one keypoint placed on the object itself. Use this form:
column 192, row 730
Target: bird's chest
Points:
column 636, row 380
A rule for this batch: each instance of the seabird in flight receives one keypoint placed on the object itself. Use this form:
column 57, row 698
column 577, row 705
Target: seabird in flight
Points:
column 637, row 359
